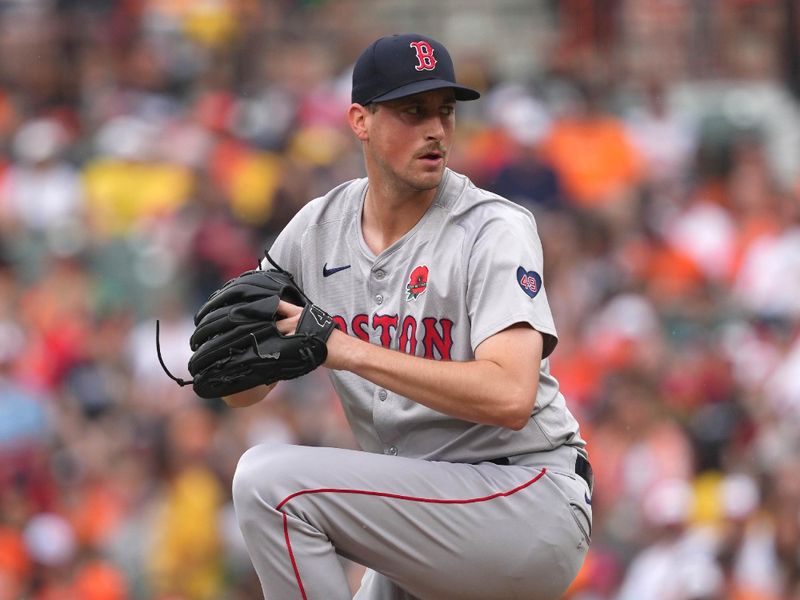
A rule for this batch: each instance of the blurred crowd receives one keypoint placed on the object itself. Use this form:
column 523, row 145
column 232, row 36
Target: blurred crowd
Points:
column 151, row 149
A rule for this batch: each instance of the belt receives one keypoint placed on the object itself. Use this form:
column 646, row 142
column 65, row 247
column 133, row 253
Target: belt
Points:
column 582, row 468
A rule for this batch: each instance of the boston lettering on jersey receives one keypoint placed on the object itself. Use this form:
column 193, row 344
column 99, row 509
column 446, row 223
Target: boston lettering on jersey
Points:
column 434, row 336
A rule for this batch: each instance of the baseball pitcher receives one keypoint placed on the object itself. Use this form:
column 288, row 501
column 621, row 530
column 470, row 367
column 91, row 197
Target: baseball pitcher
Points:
column 425, row 298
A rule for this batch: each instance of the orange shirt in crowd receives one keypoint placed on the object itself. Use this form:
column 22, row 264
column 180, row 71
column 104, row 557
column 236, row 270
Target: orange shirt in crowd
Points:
column 594, row 158
column 14, row 559
column 100, row 580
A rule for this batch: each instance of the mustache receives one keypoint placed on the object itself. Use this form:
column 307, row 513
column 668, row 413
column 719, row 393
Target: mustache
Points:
column 435, row 148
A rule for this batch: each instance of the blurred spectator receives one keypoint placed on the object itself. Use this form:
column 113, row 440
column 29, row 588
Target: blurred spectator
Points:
column 665, row 139
column 56, row 311
column 126, row 185
column 745, row 550
column 642, row 444
column 592, row 152
column 41, row 191
column 526, row 177
column 677, row 564
column 99, row 580
column 186, row 559
column 220, row 246
column 782, row 388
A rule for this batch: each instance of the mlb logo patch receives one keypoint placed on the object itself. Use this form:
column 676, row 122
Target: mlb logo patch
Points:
column 529, row 281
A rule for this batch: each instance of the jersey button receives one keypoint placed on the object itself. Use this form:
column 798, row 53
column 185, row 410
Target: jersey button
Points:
column 380, row 274
column 391, row 450
column 382, row 395
column 379, row 299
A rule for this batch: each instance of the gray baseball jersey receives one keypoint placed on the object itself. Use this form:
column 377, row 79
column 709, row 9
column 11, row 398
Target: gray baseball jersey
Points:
column 471, row 267
column 443, row 528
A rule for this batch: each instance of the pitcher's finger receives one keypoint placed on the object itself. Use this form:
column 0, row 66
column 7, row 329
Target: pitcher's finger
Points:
column 287, row 309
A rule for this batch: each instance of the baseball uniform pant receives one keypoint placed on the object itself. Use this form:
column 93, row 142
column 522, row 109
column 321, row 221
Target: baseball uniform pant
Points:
column 425, row 530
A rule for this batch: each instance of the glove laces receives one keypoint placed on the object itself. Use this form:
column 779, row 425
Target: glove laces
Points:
column 184, row 382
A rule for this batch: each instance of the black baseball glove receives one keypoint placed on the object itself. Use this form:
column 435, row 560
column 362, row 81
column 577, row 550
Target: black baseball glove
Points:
column 236, row 344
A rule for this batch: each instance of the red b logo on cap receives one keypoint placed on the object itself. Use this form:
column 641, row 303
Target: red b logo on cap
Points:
column 424, row 56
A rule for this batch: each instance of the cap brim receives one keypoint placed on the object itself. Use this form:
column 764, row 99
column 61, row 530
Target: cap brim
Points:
column 461, row 93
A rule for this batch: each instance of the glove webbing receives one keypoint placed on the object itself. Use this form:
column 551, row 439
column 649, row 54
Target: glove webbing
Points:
column 305, row 351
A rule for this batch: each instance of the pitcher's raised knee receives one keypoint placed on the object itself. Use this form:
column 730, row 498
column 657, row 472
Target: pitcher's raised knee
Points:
column 264, row 476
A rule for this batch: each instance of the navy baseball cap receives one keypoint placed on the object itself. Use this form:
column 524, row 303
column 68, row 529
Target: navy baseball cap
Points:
column 401, row 65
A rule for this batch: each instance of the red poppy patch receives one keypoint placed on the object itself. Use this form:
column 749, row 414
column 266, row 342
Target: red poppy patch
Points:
column 417, row 282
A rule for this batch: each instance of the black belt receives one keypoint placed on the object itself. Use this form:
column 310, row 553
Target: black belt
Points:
column 582, row 468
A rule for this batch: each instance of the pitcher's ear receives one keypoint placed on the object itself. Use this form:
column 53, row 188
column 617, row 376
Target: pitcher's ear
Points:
column 357, row 116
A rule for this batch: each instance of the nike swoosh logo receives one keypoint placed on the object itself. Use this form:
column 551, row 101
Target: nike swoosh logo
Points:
column 587, row 498
column 326, row 272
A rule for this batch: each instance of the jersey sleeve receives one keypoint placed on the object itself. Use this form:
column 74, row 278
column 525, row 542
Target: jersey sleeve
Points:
column 505, row 280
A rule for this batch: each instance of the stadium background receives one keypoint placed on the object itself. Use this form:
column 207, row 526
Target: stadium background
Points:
column 150, row 149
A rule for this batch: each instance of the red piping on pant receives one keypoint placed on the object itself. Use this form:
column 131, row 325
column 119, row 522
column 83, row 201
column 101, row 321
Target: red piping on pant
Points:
column 291, row 556
column 384, row 495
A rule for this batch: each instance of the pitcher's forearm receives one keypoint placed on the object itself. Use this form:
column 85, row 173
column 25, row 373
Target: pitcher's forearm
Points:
column 248, row 397
column 480, row 391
